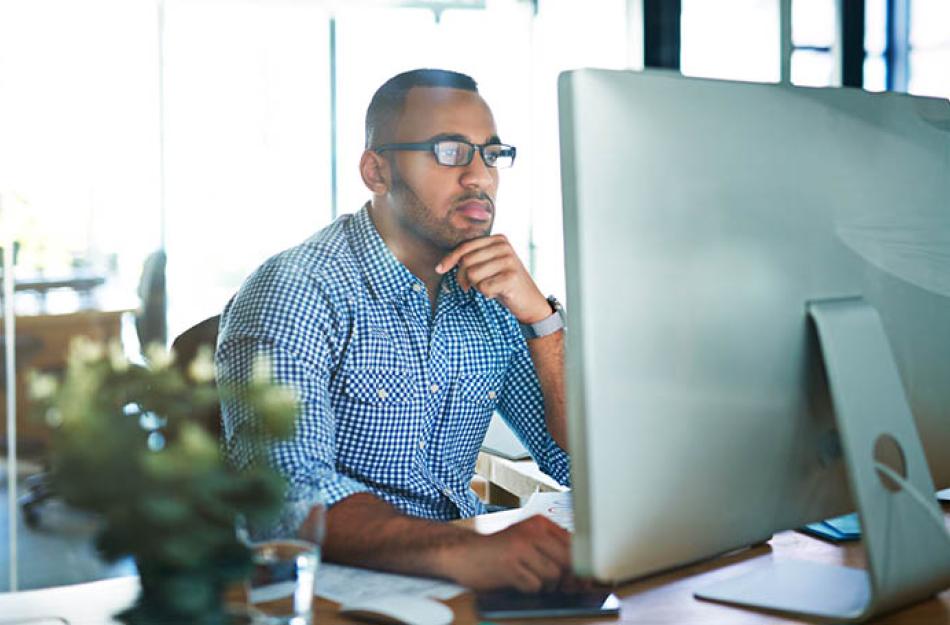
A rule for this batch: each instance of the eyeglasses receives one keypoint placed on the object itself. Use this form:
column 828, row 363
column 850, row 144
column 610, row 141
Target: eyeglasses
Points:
column 454, row 153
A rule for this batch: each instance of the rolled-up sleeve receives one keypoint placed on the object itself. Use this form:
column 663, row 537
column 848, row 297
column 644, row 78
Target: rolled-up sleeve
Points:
column 283, row 315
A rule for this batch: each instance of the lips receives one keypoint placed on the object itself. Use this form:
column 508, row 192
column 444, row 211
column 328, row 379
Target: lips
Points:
column 475, row 210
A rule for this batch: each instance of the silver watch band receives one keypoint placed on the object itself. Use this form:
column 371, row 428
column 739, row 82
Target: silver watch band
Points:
column 548, row 325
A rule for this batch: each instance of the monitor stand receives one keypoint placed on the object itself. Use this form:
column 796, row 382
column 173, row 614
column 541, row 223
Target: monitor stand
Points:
column 905, row 539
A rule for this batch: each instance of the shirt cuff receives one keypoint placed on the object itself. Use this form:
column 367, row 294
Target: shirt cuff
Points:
column 300, row 500
column 556, row 463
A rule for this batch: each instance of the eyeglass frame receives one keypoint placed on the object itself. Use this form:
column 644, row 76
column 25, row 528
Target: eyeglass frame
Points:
column 430, row 146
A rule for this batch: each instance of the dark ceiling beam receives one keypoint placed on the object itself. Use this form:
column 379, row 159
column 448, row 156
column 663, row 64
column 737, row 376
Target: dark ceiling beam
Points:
column 852, row 43
column 661, row 33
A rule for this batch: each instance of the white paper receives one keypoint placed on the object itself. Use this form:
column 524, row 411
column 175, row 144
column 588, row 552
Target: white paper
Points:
column 556, row 506
column 349, row 584
column 273, row 592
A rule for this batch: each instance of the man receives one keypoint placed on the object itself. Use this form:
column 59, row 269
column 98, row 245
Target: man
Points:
column 403, row 329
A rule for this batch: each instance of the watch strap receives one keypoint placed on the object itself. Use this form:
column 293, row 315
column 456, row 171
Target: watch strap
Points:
column 548, row 325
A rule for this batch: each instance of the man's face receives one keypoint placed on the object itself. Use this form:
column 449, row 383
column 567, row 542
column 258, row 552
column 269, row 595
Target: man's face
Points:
column 443, row 206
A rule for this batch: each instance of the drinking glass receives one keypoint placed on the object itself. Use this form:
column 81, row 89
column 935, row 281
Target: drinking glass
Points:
column 280, row 587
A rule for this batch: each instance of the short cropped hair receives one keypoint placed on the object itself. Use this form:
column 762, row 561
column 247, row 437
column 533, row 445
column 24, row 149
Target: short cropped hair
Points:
column 388, row 101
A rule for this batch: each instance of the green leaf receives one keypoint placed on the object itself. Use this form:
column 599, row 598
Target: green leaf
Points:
column 163, row 510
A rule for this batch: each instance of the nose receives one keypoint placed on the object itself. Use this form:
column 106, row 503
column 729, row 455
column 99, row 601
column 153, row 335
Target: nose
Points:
column 477, row 174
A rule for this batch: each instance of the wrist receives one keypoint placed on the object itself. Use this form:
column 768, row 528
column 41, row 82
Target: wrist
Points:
column 539, row 311
column 553, row 321
column 451, row 559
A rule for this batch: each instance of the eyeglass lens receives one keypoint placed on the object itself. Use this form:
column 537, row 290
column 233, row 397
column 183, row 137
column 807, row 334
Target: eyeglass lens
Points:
column 459, row 153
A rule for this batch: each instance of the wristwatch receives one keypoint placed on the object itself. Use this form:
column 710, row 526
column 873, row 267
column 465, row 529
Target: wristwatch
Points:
column 548, row 325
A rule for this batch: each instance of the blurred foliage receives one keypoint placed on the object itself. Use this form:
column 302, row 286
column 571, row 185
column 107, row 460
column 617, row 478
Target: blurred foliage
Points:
column 130, row 445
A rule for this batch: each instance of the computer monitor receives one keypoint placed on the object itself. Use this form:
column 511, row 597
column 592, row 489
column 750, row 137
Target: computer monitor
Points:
column 714, row 231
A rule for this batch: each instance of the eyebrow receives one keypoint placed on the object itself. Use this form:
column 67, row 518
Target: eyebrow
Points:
column 450, row 136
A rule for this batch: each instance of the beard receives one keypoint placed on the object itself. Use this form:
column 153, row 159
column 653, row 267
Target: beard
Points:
column 416, row 218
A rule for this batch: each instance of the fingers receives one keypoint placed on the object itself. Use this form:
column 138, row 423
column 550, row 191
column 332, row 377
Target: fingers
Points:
column 544, row 573
column 490, row 279
column 482, row 263
column 546, row 554
column 524, row 579
column 531, row 556
column 453, row 257
column 570, row 583
column 556, row 551
column 489, row 269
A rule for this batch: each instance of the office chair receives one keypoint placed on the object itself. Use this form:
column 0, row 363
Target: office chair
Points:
column 186, row 347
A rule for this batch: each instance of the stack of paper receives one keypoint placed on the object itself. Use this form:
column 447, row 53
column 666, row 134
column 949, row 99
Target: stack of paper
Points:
column 349, row 584
column 556, row 506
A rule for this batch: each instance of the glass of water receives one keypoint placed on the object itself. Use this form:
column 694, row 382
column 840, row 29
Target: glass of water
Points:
column 280, row 586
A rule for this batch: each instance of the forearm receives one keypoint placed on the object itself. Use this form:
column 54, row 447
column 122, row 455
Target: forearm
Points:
column 529, row 555
column 365, row 531
column 547, row 353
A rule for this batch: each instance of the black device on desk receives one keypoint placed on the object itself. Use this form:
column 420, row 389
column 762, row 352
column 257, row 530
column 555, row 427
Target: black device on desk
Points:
column 514, row 604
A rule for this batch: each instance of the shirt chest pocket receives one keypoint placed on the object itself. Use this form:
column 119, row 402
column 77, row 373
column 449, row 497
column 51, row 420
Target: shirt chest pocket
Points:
column 379, row 387
column 479, row 389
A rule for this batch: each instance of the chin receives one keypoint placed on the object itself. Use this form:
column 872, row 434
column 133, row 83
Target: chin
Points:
column 475, row 233
column 455, row 236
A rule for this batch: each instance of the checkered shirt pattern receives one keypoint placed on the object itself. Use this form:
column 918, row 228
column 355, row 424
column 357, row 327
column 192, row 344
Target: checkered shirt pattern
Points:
column 395, row 401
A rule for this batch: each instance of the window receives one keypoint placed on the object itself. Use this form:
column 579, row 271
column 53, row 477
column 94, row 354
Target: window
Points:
column 814, row 39
column 79, row 138
column 929, row 54
column 736, row 39
column 875, row 44
column 247, row 149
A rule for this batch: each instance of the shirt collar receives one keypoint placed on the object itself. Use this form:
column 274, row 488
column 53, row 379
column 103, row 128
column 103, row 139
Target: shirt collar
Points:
column 388, row 278
column 450, row 287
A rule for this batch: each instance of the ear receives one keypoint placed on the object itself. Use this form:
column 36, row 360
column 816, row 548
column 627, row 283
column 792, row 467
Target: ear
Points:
column 374, row 169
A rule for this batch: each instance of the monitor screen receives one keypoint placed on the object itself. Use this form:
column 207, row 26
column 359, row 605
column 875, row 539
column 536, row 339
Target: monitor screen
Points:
column 700, row 219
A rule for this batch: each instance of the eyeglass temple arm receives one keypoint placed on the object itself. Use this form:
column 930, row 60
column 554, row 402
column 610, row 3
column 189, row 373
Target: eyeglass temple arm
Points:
column 421, row 147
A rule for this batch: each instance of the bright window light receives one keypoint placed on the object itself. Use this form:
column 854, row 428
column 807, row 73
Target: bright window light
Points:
column 247, row 123
column 247, row 127
column 875, row 26
column 812, row 68
column 930, row 24
column 875, row 73
column 813, row 23
column 79, row 134
column 929, row 73
column 736, row 39
column 930, row 48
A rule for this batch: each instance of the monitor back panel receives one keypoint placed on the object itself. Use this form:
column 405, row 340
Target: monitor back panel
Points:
column 700, row 216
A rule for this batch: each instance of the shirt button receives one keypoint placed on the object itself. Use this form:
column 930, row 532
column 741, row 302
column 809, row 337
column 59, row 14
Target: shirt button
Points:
column 447, row 492
column 492, row 395
column 446, row 289
column 417, row 287
column 434, row 388
column 382, row 394
column 422, row 444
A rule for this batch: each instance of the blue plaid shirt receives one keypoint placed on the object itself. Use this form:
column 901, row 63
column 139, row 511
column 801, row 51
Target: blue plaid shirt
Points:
column 395, row 401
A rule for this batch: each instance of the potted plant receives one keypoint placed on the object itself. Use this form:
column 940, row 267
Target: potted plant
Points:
column 130, row 447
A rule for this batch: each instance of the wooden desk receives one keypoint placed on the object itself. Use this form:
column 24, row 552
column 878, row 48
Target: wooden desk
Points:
column 661, row 599
column 668, row 597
